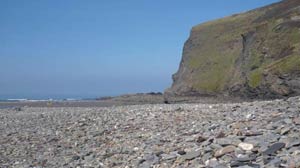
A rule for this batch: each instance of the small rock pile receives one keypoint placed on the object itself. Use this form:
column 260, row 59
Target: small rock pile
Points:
column 252, row 134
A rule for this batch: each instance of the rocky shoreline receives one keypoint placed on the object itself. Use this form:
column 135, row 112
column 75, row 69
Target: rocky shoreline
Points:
column 250, row 134
column 128, row 99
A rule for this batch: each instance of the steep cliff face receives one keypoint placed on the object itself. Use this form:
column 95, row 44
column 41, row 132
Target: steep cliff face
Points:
column 253, row 54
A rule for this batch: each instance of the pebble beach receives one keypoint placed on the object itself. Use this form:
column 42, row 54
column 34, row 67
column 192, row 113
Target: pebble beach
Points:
column 251, row 134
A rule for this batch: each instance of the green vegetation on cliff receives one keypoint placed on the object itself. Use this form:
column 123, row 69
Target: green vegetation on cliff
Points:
column 249, row 49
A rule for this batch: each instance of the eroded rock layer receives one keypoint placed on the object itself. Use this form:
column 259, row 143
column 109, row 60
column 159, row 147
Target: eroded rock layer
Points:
column 253, row 54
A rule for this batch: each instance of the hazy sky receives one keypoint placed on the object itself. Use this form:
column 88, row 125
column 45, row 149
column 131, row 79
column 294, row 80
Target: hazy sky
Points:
column 90, row 48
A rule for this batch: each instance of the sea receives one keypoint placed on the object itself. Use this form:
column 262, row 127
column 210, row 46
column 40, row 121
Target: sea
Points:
column 45, row 98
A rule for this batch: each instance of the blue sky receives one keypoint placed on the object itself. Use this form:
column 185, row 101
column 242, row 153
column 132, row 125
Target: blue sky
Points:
column 76, row 48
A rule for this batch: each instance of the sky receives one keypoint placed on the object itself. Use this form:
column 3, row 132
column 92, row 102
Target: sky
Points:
column 94, row 48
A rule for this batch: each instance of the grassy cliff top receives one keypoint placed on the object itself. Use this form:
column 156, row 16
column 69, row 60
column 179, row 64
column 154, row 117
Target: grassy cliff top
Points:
column 251, row 49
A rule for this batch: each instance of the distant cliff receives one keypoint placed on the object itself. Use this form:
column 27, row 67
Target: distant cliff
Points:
column 254, row 54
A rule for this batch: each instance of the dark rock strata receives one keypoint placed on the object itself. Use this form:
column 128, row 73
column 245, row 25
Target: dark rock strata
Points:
column 254, row 54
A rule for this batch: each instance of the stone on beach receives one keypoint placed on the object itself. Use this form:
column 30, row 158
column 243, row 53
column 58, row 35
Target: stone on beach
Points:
column 152, row 136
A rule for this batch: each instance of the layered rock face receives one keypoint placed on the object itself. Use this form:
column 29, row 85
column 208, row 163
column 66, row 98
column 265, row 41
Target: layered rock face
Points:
column 254, row 54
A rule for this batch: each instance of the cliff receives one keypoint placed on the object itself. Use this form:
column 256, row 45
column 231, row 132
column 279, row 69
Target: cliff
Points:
column 255, row 54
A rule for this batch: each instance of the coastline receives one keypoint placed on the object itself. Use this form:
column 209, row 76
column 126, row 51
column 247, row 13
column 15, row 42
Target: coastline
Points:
column 128, row 99
column 123, row 100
